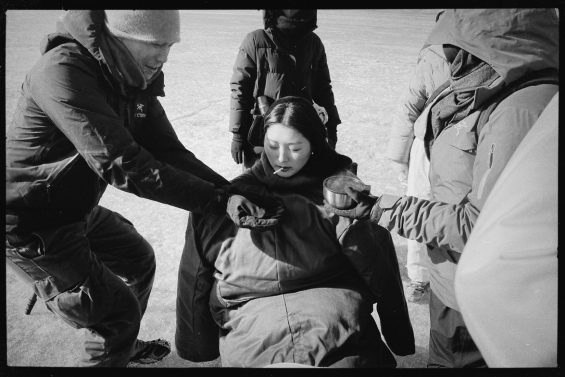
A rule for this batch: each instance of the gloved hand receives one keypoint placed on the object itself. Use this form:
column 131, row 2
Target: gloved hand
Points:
column 254, row 211
column 365, row 203
column 237, row 148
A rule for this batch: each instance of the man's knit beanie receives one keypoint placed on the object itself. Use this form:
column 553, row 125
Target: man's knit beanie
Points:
column 153, row 26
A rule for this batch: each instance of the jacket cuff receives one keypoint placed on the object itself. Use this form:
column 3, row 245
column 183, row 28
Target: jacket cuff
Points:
column 238, row 137
column 240, row 120
column 333, row 116
column 385, row 203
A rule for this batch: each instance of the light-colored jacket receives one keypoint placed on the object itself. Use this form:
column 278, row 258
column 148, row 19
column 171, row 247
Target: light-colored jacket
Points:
column 506, row 281
column 432, row 70
column 463, row 165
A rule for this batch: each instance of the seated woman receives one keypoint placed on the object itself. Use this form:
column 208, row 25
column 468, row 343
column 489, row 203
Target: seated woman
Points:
column 299, row 292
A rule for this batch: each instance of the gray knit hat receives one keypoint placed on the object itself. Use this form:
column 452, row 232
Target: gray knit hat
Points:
column 154, row 26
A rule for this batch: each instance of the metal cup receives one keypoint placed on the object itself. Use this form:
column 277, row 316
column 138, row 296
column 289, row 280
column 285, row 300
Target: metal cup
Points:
column 334, row 191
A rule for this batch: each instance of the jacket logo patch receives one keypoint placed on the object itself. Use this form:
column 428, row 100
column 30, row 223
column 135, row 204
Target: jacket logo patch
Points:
column 140, row 111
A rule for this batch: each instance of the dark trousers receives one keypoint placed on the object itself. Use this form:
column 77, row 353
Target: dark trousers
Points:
column 451, row 345
column 95, row 274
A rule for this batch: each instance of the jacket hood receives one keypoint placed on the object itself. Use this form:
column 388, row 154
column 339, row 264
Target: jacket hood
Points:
column 305, row 19
column 441, row 32
column 513, row 42
column 87, row 27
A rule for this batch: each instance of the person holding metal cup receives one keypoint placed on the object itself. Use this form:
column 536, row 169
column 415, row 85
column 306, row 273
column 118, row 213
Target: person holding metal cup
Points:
column 504, row 71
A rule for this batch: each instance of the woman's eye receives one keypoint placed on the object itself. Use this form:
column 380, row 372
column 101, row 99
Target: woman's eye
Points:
column 295, row 150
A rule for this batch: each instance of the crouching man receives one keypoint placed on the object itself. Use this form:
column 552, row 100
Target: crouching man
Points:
column 88, row 116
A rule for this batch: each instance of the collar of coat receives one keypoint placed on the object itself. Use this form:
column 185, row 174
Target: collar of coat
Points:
column 308, row 181
column 87, row 28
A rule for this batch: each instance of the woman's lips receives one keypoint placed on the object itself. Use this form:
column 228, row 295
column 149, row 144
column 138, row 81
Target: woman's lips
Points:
column 281, row 169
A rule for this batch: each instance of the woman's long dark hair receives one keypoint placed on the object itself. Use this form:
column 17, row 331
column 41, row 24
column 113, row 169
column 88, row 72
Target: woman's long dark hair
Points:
column 299, row 113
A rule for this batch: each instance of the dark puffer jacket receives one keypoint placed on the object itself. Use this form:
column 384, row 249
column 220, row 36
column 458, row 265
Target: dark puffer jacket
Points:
column 79, row 126
column 272, row 64
column 301, row 292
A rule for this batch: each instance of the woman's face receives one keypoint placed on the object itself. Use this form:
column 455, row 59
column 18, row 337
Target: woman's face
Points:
column 286, row 149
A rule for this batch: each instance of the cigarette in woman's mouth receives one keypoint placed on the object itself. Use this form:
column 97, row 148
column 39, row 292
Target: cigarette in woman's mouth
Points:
column 278, row 170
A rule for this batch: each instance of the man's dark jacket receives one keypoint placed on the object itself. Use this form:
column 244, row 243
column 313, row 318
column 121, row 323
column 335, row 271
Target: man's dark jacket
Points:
column 79, row 126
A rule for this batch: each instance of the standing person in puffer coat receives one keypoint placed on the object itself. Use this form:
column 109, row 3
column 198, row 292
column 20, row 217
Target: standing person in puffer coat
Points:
column 88, row 116
column 286, row 58
column 504, row 56
column 406, row 145
column 301, row 292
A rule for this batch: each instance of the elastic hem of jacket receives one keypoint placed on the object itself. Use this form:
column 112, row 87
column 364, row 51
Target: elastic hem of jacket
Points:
column 198, row 356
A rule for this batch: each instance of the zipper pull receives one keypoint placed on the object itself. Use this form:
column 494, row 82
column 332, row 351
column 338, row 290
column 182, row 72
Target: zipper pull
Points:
column 491, row 156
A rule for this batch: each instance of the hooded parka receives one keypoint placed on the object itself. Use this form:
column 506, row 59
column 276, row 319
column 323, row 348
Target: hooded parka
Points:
column 84, row 120
column 463, row 165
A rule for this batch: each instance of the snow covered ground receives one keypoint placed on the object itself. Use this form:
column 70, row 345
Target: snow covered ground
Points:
column 370, row 55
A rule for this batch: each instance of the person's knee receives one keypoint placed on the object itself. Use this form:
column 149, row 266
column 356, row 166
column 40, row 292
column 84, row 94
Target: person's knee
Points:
column 96, row 301
column 143, row 267
column 147, row 256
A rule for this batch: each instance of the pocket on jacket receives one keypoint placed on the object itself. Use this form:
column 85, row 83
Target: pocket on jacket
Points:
column 465, row 141
column 60, row 267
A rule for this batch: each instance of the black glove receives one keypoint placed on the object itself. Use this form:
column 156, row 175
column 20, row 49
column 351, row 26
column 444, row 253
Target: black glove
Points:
column 237, row 148
column 254, row 211
column 365, row 203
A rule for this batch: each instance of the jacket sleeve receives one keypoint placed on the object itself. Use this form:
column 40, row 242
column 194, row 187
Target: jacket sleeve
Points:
column 160, row 139
column 242, row 84
column 430, row 72
column 70, row 93
column 196, row 336
column 370, row 249
column 322, row 92
column 450, row 225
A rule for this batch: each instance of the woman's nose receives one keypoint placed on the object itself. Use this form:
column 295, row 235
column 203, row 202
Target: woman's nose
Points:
column 283, row 155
